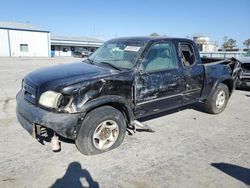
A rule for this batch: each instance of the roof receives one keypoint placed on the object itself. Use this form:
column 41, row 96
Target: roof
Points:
column 74, row 39
column 20, row 26
column 150, row 38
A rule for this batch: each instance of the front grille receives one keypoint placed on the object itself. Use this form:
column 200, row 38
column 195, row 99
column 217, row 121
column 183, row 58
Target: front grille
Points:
column 29, row 93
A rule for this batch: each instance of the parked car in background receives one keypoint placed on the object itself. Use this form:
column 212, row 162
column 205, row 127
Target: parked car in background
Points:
column 81, row 52
column 244, row 81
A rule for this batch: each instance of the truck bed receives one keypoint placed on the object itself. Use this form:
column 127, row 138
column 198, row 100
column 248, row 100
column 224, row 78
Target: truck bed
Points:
column 207, row 60
column 214, row 67
column 233, row 63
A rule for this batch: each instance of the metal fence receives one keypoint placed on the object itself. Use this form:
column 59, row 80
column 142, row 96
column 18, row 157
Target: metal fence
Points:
column 222, row 54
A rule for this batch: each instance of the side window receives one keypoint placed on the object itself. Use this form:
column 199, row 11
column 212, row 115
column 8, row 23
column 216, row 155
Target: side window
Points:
column 187, row 54
column 24, row 48
column 161, row 56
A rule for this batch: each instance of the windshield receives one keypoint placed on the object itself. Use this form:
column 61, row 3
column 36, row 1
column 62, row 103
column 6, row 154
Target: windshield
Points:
column 119, row 53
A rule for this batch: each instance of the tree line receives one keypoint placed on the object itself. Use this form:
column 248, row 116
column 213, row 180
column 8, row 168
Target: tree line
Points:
column 228, row 43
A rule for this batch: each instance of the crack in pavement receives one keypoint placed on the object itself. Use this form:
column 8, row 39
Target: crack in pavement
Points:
column 6, row 103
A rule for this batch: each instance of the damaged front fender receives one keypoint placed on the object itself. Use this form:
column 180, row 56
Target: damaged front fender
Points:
column 115, row 101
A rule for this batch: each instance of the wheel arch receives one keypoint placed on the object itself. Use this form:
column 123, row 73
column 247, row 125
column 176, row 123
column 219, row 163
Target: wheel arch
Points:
column 118, row 102
column 228, row 81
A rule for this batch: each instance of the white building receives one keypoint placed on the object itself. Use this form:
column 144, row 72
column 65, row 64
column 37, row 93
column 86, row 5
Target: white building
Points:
column 22, row 40
column 204, row 44
column 66, row 46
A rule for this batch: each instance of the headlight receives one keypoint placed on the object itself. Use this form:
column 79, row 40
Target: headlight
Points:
column 50, row 99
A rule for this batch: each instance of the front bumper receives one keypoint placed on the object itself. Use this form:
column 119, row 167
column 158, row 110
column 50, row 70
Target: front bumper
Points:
column 66, row 125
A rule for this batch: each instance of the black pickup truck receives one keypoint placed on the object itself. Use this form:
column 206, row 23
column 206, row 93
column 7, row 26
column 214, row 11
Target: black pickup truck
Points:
column 93, row 102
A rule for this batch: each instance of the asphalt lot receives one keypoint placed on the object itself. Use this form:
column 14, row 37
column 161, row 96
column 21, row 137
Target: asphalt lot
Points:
column 190, row 148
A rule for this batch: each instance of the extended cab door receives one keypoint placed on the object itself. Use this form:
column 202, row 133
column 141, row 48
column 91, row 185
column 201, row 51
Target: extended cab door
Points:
column 158, row 84
column 193, row 72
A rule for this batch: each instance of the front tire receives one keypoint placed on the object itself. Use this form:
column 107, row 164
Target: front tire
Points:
column 217, row 101
column 103, row 129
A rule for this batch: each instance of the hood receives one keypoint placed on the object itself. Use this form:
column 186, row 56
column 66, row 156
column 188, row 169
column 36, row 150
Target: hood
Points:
column 64, row 75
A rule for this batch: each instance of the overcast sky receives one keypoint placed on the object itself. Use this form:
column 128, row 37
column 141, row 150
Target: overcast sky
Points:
column 114, row 18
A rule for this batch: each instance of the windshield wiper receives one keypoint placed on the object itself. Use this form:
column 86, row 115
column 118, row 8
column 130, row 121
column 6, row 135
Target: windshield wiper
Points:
column 111, row 65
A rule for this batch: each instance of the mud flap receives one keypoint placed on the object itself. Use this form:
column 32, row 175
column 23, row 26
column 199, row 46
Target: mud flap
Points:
column 142, row 127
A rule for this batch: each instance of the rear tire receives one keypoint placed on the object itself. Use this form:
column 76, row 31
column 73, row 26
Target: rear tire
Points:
column 103, row 129
column 217, row 101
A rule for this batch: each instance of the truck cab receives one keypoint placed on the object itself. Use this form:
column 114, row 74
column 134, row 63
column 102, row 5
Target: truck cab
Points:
column 168, row 85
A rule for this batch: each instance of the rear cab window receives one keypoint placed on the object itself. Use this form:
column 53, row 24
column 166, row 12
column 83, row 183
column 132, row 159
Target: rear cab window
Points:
column 187, row 54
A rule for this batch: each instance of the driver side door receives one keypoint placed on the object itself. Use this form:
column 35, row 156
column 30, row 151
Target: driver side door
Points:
column 158, row 83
